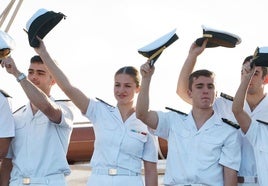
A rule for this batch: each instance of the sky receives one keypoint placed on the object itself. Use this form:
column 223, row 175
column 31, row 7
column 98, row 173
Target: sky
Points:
column 100, row 36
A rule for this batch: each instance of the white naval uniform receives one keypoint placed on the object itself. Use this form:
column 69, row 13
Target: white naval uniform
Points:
column 119, row 146
column 197, row 156
column 257, row 134
column 7, row 126
column 248, row 168
column 39, row 148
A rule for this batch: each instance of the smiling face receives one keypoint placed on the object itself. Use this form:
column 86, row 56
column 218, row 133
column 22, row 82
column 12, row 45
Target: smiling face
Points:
column 125, row 89
column 202, row 89
column 126, row 85
column 38, row 74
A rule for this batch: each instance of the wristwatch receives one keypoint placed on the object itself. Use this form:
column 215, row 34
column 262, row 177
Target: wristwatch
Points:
column 21, row 77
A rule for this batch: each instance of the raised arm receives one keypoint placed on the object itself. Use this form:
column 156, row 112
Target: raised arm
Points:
column 76, row 95
column 241, row 116
column 150, row 118
column 187, row 69
column 36, row 96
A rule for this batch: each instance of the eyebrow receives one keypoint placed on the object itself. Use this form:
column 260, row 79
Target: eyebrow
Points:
column 42, row 71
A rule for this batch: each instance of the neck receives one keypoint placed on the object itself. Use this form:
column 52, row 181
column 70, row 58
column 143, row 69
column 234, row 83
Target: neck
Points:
column 253, row 100
column 126, row 111
column 34, row 108
column 201, row 116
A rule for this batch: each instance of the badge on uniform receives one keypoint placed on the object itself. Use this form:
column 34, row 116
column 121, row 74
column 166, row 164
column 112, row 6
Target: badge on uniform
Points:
column 40, row 24
column 218, row 38
column 153, row 50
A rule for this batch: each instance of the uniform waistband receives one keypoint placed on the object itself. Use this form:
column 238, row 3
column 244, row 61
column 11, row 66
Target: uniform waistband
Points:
column 247, row 179
column 193, row 184
column 114, row 172
column 38, row 180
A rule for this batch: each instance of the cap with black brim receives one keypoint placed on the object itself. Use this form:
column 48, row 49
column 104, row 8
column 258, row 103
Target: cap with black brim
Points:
column 218, row 38
column 153, row 50
column 260, row 57
column 40, row 24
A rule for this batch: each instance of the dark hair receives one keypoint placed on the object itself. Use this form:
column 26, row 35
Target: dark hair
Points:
column 197, row 74
column 264, row 69
column 132, row 71
column 36, row 59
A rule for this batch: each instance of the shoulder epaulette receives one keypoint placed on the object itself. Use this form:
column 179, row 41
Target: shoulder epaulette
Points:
column 104, row 102
column 263, row 122
column 4, row 93
column 62, row 100
column 235, row 125
column 19, row 109
column 226, row 96
column 177, row 111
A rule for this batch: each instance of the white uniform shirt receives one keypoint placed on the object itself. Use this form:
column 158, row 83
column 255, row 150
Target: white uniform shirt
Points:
column 117, row 143
column 7, row 127
column 40, row 146
column 258, row 137
column 197, row 156
column 224, row 108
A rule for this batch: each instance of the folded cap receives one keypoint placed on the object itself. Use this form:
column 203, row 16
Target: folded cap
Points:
column 260, row 57
column 40, row 24
column 218, row 38
column 153, row 50
column 6, row 44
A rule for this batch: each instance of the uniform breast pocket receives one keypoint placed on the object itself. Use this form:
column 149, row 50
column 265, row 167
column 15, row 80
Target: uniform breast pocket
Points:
column 135, row 141
column 210, row 148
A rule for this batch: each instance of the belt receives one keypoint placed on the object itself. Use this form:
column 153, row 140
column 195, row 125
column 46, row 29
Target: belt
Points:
column 193, row 184
column 38, row 180
column 114, row 172
column 247, row 179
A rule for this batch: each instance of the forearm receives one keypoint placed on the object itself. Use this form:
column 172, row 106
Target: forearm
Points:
column 241, row 116
column 150, row 174
column 142, row 106
column 6, row 167
column 183, row 80
column 77, row 96
column 230, row 177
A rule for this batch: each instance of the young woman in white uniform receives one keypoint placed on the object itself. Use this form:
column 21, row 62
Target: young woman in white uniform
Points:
column 122, row 141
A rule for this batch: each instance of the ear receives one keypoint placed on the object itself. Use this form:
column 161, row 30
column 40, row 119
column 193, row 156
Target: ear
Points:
column 138, row 89
column 189, row 92
column 265, row 80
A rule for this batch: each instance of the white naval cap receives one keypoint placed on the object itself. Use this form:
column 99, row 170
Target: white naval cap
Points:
column 40, row 24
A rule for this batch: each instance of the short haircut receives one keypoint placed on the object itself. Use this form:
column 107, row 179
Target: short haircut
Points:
column 36, row 59
column 132, row 71
column 197, row 74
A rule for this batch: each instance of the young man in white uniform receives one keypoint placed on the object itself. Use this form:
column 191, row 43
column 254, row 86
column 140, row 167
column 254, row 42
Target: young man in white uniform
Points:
column 42, row 131
column 203, row 150
column 7, row 128
column 256, row 105
column 256, row 130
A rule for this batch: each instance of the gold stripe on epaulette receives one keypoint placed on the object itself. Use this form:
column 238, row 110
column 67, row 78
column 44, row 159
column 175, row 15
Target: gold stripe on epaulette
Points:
column 226, row 96
column 263, row 122
column 104, row 102
column 230, row 123
column 4, row 93
column 177, row 111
